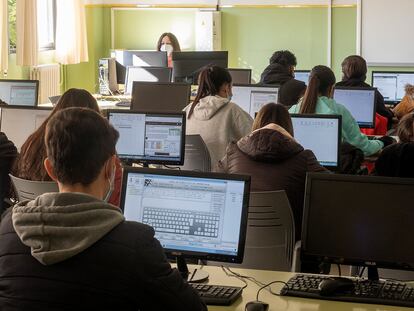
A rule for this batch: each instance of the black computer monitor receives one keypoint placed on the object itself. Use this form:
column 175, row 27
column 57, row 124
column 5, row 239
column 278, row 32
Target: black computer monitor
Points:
column 391, row 84
column 240, row 75
column 146, row 74
column 19, row 122
column 360, row 101
column 320, row 133
column 157, row 96
column 359, row 220
column 194, row 214
column 252, row 97
column 302, row 75
column 126, row 58
column 149, row 137
column 19, row 92
column 187, row 65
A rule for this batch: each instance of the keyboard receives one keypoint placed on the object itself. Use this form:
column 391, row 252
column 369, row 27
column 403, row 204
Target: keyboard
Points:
column 217, row 294
column 182, row 222
column 383, row 292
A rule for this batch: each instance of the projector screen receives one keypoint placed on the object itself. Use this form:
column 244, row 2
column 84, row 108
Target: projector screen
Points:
column 386, row 32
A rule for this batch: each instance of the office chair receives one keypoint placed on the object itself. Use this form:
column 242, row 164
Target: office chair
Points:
column 197, row 156
column 29, row 190
column 270, row 236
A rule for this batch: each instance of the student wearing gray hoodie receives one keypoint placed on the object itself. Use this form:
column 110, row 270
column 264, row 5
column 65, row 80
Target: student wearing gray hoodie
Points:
column 73, row 251
column 213, row 116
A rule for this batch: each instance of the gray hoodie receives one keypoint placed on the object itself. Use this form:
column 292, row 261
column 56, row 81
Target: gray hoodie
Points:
column 218, row 121
column 58, row 226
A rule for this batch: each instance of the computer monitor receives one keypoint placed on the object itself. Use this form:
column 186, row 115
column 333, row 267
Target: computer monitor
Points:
column 360, row 102
column 359, row 220
column 187, row 65
column 240, row 76
column 251, row 98
column 160, row 97
column 146, row 74
column 19, row 92
column 126, row 58
column 149, row 137
column 302, row 75
column 321, row 134
column 194, row 214
column 18, row 122
column 391, row 84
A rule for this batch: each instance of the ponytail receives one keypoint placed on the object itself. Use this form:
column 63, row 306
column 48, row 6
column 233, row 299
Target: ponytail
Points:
column 321, row 80
column 210, row 80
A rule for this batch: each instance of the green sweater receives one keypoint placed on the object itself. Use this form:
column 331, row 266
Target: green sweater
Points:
column 350, row 129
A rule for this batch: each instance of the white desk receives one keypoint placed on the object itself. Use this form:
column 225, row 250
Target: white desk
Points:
column 218, row 277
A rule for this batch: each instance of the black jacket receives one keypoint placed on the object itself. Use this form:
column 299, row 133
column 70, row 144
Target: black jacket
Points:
column 396, row 161
column 124, row 270
column 291, row 90
column 379, row 104
column 8, row 153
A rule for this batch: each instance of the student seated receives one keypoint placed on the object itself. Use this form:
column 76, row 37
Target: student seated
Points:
column 281, row 71
column 213, row 116
column 168, row 42
column 406, row 105
column 318, row 100
column 29, row 164
column 354, row 74
column 8, row 153
column 272, row 157
column 397, row 160
column 73, row 251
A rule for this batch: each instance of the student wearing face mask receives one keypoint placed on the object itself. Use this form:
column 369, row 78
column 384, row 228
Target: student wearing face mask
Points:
column 168, row 42
column 213, row 116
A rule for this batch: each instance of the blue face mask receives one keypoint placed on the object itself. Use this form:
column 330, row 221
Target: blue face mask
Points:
column 111, row 181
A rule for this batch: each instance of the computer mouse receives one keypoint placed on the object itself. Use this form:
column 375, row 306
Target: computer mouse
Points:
column 335, row 285
column 257, row 306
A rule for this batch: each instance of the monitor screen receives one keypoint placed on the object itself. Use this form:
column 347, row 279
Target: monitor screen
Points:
column 146, row 74
column 18, row 123
column 302, row 75
column 361, row 220
column 251, row 98
column 149, row 137
column 240, row 76
column 360, row 102
column 19, row 92
column 201, row 215
column 160, row 97
column 187, row 65
column 321, row 134
column 392, row 84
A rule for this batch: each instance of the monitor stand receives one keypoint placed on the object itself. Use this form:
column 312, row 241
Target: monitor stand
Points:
column 195, row 276
column 373, row 274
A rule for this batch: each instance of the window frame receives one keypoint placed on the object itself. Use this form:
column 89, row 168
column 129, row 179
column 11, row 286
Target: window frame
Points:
column 51, row 45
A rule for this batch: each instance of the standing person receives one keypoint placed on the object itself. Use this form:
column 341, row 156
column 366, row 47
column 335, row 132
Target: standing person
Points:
column 213, row 116
column 318, row 100
column 168, row 42
column 354, row 74
column 273, row 158
column 281, row 71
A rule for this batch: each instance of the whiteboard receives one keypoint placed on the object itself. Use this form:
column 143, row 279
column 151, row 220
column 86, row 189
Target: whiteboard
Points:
column 386, row 32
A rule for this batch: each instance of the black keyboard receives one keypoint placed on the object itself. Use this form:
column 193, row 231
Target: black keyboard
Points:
column 383, row 292
column 217, row 294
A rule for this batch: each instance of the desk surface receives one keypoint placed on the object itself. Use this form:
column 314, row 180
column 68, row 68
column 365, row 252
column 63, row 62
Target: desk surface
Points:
column 217, row 276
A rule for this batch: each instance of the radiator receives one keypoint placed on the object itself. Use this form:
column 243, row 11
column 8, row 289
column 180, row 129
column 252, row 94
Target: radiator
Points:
column 49, row 80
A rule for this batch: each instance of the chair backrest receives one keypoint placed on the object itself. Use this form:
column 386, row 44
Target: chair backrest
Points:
column 29, row 190
column 197, row 156
column 270, row 237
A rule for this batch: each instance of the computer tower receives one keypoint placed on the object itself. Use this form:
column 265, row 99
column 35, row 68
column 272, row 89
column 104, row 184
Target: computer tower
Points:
column 107, row 76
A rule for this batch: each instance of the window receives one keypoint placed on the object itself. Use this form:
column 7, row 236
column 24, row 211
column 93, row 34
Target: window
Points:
column 46, row 25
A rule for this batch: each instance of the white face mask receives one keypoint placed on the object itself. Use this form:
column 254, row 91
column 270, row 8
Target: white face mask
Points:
column 111, row 181
column 166, row 47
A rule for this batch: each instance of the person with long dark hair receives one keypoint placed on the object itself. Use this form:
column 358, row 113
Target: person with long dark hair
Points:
column 318, row 100
column 273, row 158
column 168, row 42
column 213, row 116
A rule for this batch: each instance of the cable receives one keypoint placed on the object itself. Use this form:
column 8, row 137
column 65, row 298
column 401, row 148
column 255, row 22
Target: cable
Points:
column 266, row 285
column 339, row 269
column 235, row 276
column 172, row 167
column 362, row 272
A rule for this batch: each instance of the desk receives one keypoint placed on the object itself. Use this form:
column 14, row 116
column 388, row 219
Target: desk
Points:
column 217, row 276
